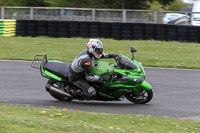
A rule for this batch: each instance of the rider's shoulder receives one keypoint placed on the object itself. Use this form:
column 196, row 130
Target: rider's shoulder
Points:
column 86, row 61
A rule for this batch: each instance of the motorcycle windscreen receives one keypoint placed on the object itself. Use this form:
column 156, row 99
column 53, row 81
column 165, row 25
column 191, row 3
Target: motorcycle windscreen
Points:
column 126, row 63
column 101, row 68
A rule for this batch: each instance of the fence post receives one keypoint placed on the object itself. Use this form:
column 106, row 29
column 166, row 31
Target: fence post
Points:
column 124, row 15
column 93, row 14
column 2, row 12
column 155, row 16
column 31, row 13
column 62, row 11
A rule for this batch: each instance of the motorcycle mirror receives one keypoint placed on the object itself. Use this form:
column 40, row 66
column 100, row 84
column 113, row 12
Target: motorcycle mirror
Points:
column 133, row 49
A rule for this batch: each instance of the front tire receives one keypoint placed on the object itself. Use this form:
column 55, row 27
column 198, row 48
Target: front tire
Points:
column 57, row 96
column 144, row 96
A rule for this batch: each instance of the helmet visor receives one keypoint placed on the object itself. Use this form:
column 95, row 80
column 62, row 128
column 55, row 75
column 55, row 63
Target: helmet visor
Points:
column 98, row 50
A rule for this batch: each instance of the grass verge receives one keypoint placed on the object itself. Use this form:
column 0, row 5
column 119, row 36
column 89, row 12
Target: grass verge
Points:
column 150, row 53
column 19, row 119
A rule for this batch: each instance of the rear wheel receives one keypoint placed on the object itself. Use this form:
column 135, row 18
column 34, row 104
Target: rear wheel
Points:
column 57, row 96
column 143, row 97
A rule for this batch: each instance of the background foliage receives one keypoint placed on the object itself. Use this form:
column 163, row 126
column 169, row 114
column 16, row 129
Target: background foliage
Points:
column 116, row 4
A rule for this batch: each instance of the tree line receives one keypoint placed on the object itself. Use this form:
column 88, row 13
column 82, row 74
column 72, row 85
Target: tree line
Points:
column 108, row 4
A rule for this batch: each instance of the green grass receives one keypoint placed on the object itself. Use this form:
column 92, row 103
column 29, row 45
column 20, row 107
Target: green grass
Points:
column 150, row 53
column 19, row 119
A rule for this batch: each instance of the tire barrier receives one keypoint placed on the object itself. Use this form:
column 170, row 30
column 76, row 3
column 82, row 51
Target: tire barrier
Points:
column 118, row 31
column 7, row 27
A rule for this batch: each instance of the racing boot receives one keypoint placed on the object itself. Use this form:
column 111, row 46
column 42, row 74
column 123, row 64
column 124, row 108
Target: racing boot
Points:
column 89, row 94
column 92, row 92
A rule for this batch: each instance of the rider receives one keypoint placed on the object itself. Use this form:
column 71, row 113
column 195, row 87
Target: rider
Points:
column 80, row 70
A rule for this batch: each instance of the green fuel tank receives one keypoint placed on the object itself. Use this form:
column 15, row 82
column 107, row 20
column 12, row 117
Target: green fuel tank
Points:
column 100, row 67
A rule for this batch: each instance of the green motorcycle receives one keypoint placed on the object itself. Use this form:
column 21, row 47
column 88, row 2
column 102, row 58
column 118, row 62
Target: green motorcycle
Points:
column 127, row 79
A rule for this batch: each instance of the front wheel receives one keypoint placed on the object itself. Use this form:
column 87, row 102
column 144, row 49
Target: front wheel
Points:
column 143, row 97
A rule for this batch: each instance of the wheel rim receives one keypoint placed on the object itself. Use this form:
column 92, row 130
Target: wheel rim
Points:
column 143, row 95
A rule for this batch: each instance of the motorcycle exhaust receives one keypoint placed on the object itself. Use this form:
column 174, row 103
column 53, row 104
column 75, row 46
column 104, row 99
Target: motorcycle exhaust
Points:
column 56, row 91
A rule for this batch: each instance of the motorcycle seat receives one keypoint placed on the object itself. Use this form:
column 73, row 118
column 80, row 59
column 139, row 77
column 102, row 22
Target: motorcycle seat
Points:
column 58, row 68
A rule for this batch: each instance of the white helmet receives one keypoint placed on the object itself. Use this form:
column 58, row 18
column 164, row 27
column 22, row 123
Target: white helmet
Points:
column 95, row 47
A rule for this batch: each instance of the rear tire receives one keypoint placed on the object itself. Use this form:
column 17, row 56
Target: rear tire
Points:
column 144, row 97
column 56, row 96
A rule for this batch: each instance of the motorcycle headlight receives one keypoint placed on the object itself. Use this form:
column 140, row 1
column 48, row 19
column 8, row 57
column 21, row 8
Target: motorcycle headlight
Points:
column 138, row 80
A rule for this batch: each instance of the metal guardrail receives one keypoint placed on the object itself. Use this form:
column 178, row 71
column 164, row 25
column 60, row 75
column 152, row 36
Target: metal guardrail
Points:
column 83, row 14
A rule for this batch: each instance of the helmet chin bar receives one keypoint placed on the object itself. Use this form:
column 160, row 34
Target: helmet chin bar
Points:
column 97, row 56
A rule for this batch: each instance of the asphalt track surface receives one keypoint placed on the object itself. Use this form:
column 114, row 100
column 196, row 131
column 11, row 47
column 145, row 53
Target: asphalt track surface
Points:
column 176, row 92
